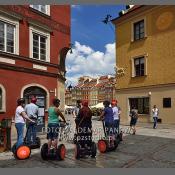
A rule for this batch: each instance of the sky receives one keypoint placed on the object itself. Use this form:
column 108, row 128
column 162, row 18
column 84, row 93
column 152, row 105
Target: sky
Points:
column 93, row 41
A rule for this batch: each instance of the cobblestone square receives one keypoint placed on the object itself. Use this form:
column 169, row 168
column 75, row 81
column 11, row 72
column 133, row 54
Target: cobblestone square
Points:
column 149, row 148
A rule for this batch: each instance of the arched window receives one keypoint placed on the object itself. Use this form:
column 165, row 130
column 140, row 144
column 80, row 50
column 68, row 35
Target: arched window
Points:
column 2, row 99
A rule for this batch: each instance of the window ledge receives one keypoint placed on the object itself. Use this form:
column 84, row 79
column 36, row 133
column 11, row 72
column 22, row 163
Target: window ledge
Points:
column 134, row 41
column 144, row 76
column 40, row 13
column 2, row 111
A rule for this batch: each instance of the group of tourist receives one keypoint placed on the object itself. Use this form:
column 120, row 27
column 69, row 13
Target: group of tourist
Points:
column 27, row 114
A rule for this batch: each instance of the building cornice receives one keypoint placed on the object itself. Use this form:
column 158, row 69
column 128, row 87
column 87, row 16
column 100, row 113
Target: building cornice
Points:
column 23, row 58
column 31, row 71
column 134, row 13
column 146, row 87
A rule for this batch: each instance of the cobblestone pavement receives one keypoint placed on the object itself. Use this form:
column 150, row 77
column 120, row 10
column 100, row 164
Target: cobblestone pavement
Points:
column 148, row 148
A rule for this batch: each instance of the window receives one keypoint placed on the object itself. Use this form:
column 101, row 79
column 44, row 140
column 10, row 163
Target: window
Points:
column 139, row 66
column 139, row 32
column 167, row 102
column 2, row 99
column 42, row 8
column 7, row 37
column 39, row 45
column 142, row 104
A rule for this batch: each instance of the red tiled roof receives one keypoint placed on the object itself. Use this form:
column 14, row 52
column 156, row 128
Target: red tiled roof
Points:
column 100, row 84
column 79, row 85
column 103, row 77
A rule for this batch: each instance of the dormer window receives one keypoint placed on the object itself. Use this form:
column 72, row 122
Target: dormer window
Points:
column 42, row 8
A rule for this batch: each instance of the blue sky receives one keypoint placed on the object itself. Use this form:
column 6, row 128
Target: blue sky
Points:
column 94, row 41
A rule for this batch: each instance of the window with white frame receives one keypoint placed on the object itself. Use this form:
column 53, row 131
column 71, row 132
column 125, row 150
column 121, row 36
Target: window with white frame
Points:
column 2, row 99
column 139, row 66
column 139, row 31
column 39, row 45
column 7, row 37
column 42, row 8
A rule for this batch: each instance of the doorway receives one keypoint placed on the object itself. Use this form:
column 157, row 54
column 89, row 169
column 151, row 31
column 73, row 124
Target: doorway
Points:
column 40, row 95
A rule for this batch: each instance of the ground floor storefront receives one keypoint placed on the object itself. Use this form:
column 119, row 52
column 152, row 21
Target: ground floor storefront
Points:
column 144, row 98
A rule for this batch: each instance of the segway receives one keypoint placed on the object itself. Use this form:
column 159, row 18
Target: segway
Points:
column 84, row 147
column 22, row 152
column 108, row 143
column 32, row 145
column 81, row 152
column 58, row 154
column 119, row 135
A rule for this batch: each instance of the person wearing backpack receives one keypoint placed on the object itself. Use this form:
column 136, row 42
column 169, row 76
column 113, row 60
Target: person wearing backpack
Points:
column 134, row 117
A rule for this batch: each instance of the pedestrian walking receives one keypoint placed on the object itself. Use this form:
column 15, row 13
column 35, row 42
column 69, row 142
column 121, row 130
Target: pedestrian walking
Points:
column 32, row 112
column 134, row 117
column 77, row 108
column 53, row 124
column 116, row 114
column 155, row 113
column 20, row 119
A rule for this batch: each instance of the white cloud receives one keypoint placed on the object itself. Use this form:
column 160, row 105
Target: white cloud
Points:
column 85, row 61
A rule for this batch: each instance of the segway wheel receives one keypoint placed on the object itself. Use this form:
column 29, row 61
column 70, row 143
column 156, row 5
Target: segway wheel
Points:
column 94, row 150
column 61, row 152
column 38, row 142
column 102, row 146
column 77, row 151
column 44, row 151
column 23, row 152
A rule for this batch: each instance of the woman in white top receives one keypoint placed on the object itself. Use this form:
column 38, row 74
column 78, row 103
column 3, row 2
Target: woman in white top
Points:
column 116, row 116
column 155, row 113
column 20, row 117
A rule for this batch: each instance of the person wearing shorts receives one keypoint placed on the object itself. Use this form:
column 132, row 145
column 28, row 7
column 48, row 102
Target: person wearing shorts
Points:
column 53, row 124
column 134, row 117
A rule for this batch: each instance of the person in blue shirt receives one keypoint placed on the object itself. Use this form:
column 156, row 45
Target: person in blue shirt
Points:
column 107, row 116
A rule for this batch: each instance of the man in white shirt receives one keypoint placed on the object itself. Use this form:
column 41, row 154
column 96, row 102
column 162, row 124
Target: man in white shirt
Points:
column 155, row 113
column 32, row 111
column 20, row 117
column 116, row 115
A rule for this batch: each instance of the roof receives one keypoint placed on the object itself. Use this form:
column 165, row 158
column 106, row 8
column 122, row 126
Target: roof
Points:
column 127, row 11
column 79, row 85
column 103, row 77
column 90, row 84
column 100, row 84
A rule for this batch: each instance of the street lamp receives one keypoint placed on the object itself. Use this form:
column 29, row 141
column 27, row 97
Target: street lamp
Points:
column 107, row 20
column 70, row 87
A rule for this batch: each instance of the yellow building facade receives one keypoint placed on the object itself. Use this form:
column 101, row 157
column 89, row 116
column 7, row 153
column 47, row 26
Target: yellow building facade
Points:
column 145, row 51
